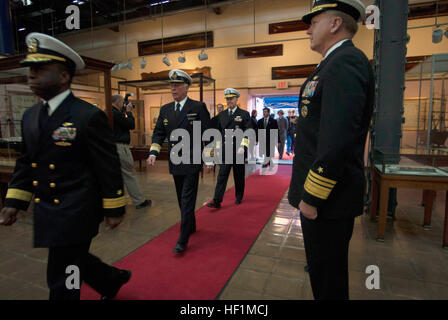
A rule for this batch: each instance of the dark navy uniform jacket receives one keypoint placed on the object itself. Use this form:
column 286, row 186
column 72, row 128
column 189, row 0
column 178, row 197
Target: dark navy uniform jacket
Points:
column 239, row 120
column 167, row 122
column 72, row 169
column 336, row 104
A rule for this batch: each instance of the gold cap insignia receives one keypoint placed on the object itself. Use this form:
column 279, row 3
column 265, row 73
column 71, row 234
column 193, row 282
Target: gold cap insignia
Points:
column 174, row 76
column 32, row 46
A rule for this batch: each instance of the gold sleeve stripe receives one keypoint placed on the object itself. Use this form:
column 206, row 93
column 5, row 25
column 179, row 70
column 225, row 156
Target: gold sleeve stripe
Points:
column 317, row 191
column 156, row 147
column 323, row 179
column 245, row 142
column 19, row 194
column 114, row 203
column 324, row 184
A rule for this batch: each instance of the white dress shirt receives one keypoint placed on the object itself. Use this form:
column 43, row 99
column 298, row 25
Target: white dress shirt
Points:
column 54, row 102
column 334, row 47
column 182, row 103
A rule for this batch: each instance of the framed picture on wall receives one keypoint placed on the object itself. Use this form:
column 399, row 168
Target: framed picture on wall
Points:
column 154, row 115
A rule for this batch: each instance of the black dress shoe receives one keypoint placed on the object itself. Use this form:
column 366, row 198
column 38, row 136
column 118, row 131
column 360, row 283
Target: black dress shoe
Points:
column 238, row 201
column 214, row 204
column 122, row 278
column 179, row 248
column 145, row 203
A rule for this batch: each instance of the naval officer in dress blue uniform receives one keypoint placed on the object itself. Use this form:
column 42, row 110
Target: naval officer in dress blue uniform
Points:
column 328, row 184
column 66, row 142
column 231, row 119
column 181, row 114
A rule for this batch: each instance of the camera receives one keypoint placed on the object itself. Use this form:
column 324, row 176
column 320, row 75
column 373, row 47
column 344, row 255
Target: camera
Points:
column 126, row 101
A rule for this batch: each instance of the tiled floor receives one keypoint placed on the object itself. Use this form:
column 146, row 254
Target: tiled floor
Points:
column 411, row 261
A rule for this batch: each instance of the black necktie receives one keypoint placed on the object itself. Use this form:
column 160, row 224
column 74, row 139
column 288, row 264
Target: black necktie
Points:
column 177, row 112
column 43, row 116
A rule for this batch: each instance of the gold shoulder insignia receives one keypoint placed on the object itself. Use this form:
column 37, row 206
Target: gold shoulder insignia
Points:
column 316, row 77
column 67, row 124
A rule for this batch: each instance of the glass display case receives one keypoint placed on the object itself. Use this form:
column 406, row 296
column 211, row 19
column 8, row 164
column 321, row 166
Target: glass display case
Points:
column 425, row 171
column 432, row 163
column 425, row 105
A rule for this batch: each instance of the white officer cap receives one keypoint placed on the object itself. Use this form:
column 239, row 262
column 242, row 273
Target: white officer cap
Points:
column 354, row 8
column 230, row 93
column 177, row 75
column 43, row 48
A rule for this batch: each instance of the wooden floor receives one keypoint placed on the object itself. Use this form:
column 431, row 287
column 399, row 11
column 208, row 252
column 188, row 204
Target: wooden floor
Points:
column 411, row 261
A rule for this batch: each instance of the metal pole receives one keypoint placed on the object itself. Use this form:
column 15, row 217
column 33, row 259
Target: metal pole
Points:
column 419, row 103
column 428, row 139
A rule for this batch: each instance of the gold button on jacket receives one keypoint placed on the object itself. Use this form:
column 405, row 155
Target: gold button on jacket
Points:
column 35, row 183
column 34, row 165
column 56, row 201
column 52, row 166
column 36, row 200
column 52, row 185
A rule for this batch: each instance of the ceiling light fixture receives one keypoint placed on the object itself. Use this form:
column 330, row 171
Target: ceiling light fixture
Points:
column 166, row 60
column 143, row 64
column 203, row 56
column 182, row 58
column 129, row 65
column 437, row 34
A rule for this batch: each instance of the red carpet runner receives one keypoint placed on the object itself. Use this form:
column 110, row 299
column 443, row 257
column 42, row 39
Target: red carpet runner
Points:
column 222, row 239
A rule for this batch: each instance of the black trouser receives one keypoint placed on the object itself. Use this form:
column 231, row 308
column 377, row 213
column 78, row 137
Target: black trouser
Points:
column 92, row 270
column 187, row 190
column 326, row 248
column 223, row 175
